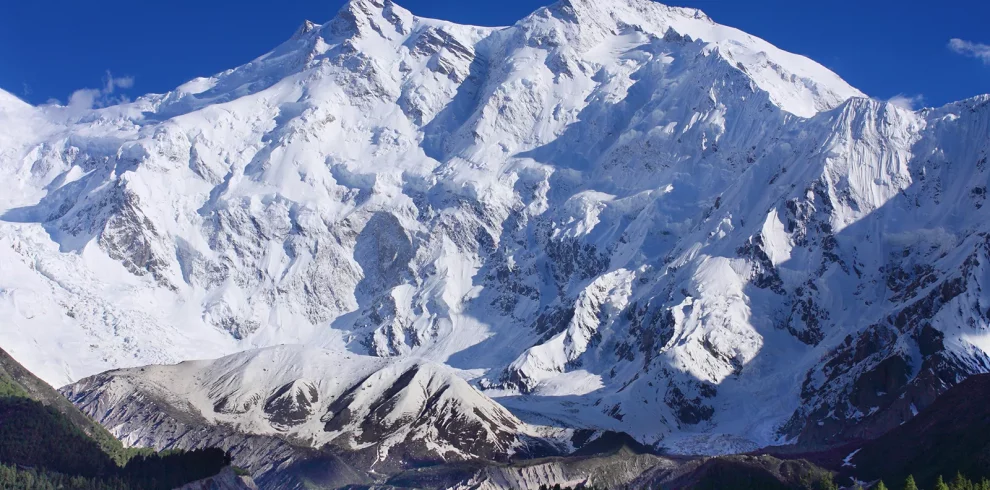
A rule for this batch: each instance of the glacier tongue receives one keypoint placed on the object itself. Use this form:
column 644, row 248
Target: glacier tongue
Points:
column 611, row 215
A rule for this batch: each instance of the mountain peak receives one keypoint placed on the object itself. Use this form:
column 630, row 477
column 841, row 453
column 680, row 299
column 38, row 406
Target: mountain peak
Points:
column 795, row 83
column 306, row 27
column 614, row 6
column 358, row 16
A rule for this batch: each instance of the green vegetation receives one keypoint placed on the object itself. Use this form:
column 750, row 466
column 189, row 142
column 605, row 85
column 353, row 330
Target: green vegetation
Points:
column 41, row 448
column 144, row 473
column 113, row 447
column 18, row 383
column 940, row 484
column 796, row 475
column 949, row 436
column 958, row 483
column 763, row 472
column 818, row 480
column 9, row 388
column 46, row 443
column 14, row 478
column 32, row 434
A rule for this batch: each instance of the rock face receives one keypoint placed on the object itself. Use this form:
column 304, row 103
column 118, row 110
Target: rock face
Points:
column 285, row 411
column 226, row 480
column 611, row 215
column 741, row 472
column 617, row 468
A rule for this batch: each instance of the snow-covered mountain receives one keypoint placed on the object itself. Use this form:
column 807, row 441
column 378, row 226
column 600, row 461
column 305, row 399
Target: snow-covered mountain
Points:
column 612, row 215
column 378, row 415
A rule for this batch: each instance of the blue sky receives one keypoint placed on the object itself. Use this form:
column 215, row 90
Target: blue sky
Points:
column 886, row 48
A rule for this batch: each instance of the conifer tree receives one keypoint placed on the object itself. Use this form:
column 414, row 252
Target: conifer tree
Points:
column 909, row 484
column 940, row 484
column 961, row 483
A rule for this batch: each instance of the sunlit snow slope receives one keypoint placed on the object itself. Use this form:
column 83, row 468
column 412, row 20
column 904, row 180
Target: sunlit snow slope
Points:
column 613, row 215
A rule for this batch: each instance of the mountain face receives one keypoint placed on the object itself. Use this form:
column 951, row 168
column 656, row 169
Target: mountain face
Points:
column 610, row 216
column 365, row 414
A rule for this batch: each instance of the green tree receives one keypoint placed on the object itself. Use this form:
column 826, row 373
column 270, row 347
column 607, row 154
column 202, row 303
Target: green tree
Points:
column 880, row 486
column 825, row 481
column 909, row 484
column 940, row 484
column 961, row 483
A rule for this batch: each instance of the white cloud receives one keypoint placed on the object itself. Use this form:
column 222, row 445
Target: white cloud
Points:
column 83, row 99
column 979, row 51
column 89, row 98
column 111, row 83
column 909, row 102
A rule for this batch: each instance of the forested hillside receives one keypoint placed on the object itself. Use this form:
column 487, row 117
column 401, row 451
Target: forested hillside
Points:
column 45, row 442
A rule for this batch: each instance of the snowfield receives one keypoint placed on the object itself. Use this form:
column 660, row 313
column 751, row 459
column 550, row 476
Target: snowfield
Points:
column 612, row 215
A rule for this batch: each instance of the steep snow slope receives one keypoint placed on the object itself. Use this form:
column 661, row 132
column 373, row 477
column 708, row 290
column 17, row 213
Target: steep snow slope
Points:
column 255, row 194
column 612, row 215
